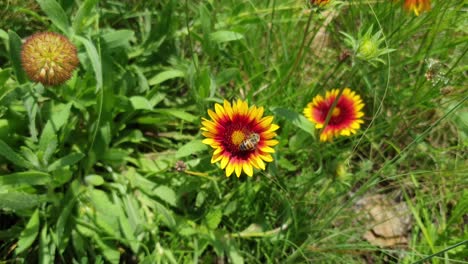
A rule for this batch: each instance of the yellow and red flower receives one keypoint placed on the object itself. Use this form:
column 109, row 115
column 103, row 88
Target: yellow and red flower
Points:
column 417, row 6
column 229, row 128
column 345, row 117
column 319, row 2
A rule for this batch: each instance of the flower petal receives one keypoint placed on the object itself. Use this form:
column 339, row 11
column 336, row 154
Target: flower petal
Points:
column 224, row 162
column 229, row 169
column 248, row 169
column 238, row 169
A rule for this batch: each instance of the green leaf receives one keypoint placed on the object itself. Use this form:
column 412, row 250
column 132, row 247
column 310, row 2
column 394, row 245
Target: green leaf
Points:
column 93, row 56
column 94, row 180
column 15, row 56
column 29, row 234
column 3, row 34
column 110, row 251
column 142, row 81
column 62, row 230
column 461, row 208
column 213, row 218
column 225, row 36
column 28, row 177
column 46, row 248
column 48, row 139
column 166, row 194
column 128, row 232
column 12, row 156
column 30, row 156
column 49, row 150
column 178, row 113
column 118, row 38
column 68, row 160
column 140, row 102
column 4, row 128
column 4, row 76
column 19, row 201
column 83, row 13
column 167, row 215
column 234, row 255
column 166, row 75
column 296, row 119
column 56, row 14
column 286, row 164
column 190, row 148
column 59, row 117
column 31, row 106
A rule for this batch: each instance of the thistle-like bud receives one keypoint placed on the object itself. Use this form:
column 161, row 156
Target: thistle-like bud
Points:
column 49, row 58
column 367, row 46
column 368, row 49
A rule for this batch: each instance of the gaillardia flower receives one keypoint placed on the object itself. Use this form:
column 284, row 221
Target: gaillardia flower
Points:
column 417, row 6
column 49, row 58
column 345, row 117
column 319, row 2
column 240, row 136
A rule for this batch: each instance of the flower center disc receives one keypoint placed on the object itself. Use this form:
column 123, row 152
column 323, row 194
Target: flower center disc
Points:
column 237, row 137
column 336, row 112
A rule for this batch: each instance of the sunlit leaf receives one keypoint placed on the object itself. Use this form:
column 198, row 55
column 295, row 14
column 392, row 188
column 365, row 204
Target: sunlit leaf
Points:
column 190, row 148
column 12, row 156
column 213, row 218
column 55, row 13
column 296, row 119
column 225, row 36
column 166, row 194
column 28, row 177
column 19, row 201
column 15, row 56
column 83, row 13
column 178, row 113
column 93, row 56
column 68, row 160
column 140, row 102
column 29, row 234
column 118, row 38
column 165, row 75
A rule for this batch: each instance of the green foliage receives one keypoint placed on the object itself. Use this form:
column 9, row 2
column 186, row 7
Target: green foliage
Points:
column 110, row 166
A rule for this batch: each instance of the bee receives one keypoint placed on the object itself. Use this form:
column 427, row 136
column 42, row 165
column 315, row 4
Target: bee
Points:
column 250, row 143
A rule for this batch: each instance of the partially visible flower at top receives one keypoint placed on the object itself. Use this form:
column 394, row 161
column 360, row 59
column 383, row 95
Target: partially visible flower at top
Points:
column 345, row 119
column 367, row 46
column 319, row 2
column 49, row 58
column 241, row 137
column 417, row 6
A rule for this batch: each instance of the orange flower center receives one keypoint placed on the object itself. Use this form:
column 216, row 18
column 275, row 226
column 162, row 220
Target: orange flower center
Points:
column 336, row 112
column 237, row 137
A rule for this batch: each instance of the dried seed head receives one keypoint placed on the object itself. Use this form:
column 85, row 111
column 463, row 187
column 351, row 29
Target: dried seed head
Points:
column 49, row 58
column 180, row 166
column 344, row 55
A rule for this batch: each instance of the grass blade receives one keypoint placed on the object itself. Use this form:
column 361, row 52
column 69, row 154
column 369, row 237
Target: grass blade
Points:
column 56, row 14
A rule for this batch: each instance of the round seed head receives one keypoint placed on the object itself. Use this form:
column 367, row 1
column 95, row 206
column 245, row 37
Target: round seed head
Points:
column 49, row 58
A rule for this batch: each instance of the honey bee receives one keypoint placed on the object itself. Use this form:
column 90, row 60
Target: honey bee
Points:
column 250, row 143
